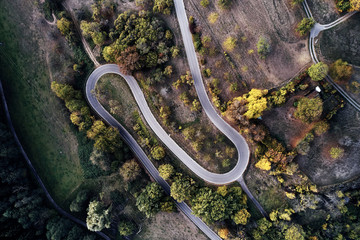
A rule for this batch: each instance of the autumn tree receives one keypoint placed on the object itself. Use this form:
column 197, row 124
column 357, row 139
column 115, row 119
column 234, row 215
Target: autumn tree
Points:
column 128, row 60
column 140, row 40
column 98, row 217
column 253, row 103
column 305, row 26
column 182, row 188
column 340, row 70
column 318, row 71
column 229, row 43
column 309, row 109
column 263, row 164
column 354, row 5
column 158, row 152
column 166, row 171
column 224, row 233
column 130, row 170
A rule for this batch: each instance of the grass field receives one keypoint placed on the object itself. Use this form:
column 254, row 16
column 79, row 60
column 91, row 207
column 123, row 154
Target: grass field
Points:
column 40, row 119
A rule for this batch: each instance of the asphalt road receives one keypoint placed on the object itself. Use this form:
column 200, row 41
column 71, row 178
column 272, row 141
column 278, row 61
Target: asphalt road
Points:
column 140, row 99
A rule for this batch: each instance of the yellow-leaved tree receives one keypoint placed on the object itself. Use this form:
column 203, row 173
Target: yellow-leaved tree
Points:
column 354, row 5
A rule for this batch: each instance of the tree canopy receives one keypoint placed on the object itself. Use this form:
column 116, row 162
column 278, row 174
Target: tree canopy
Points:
column 309, row 109
column 150, row 200
column 340, row 70
column 139, row 41
column 98, row 217
column 305, row 26
column 166, row 171
column 318, row 71
column 182, row 188
column 130, row 170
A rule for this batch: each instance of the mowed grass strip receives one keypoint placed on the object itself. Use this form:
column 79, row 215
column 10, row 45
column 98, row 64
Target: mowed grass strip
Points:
column 40, row 119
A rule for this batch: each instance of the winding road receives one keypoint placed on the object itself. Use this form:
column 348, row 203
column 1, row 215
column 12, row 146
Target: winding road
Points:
column 315, row 31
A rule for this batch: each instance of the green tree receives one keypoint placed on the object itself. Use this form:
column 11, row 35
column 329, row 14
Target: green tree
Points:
column 98, row 217
column 166, row 171
column 79, row 203
column 309, row 109
column 263, row 47
column 130, row 170
column 305, row 26
column 163, row 6
column 209, row 205
column 340, row 70
column 65, row 27
column 149, row 200
column 126, row 227
column 158, row 152
column 182, row 188
column 318, row 71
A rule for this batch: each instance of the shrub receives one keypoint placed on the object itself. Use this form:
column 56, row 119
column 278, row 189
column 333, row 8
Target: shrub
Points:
column 213, row 17
column 229, row 44
column 263, row 47
column 336, row 152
